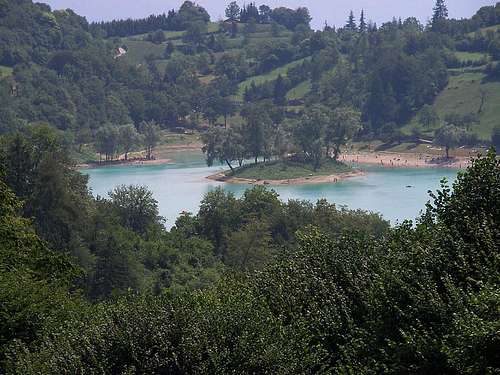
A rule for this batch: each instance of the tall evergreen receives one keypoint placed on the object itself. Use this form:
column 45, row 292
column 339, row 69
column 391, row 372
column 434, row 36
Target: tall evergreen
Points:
column 233, row 11
column 249, row 12
column 362, row 23
column 280, row 91
column 351, row 23
column 440, row 15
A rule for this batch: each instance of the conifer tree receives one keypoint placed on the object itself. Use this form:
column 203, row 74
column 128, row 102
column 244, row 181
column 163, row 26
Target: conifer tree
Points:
column 362, row 22
column 439, row 16
column 351, row 22
column 233, row 11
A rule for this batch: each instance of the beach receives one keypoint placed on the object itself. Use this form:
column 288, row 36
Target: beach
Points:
column 404, row 160
column 124, row 163
column 331, row 179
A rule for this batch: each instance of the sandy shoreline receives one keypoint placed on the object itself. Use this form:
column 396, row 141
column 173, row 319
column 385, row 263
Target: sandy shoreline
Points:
column 123, row 163
column 382, row 159
column 221, row 177
column 404, row 160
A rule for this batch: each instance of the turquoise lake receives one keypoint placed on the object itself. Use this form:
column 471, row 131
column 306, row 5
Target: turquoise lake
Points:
column 180, row 187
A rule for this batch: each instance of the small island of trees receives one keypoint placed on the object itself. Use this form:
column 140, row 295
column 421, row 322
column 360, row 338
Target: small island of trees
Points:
column 279, row 149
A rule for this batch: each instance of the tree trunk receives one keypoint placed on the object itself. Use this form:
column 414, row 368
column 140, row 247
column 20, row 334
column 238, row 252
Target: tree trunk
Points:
column 481, row 105
column 229, row 165
column 225, row 121
column 447, row 152
column 336, row 153
column 317, row 163
column 256, row 159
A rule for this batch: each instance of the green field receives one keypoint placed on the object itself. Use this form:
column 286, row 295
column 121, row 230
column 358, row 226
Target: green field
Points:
column 174, row 34
column 263, row 78
column 5, row 71
column 485, row 29
column 463, row 96
column 283, row 170
column 299, row 91
column 471, row 56
column 213, row 27
column 138, row 50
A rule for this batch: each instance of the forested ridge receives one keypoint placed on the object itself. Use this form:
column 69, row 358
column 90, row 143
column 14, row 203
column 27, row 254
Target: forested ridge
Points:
column 180, row 69
column 250, row 284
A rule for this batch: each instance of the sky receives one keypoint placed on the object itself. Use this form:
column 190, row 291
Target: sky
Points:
column 334, row 12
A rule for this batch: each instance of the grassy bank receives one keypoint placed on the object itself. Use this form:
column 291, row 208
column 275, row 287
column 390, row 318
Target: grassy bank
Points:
column 283, row 170
column 463, row 96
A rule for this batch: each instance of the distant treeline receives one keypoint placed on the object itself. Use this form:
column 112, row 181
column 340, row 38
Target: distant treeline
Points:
column 188, row 13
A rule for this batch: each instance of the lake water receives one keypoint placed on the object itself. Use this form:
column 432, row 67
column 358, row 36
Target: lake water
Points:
column 180, row 187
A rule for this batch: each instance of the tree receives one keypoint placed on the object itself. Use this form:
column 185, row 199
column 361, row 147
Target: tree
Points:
column 351, row 23
column 462, row 121
column 291, row 18
column 249, row 12
column 301, row 33
column 250, row 27
column 169, row 49
column 20, row 162
column 309, row 134
column 264, row 14
column 256, row 129
column 59, row 211
column 150, row 131
column 439, row 16
column 495, row 138
column 228, row 108
column 218, row 217
column 280, row 90
column 223, row 145
column 195, row 34
column 35, row 282
column 136, row 207
column 129, row 138
column 107, row 141
column 275, row 29
column 448, row 136
column 428, row 116
column 302, row 16
column 158, row 37
column 189, row 13
column 344, row 124
column 248, row 248
column 363, row 27
column 233, row 12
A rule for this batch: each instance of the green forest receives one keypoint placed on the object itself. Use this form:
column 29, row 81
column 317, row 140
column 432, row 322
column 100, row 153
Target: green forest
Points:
column 252, row 284
column 261, row 73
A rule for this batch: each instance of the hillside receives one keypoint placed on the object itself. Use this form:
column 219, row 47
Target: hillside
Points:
column 468, row 85
column 253, row 282
column 182, row 70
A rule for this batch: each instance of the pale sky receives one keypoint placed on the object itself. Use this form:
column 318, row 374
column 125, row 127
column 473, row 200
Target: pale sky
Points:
column 335, row 12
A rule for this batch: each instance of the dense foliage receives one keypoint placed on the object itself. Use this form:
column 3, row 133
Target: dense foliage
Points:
column 69, row 74
column 421, row 299
column 248, row 284
column 120, row 241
